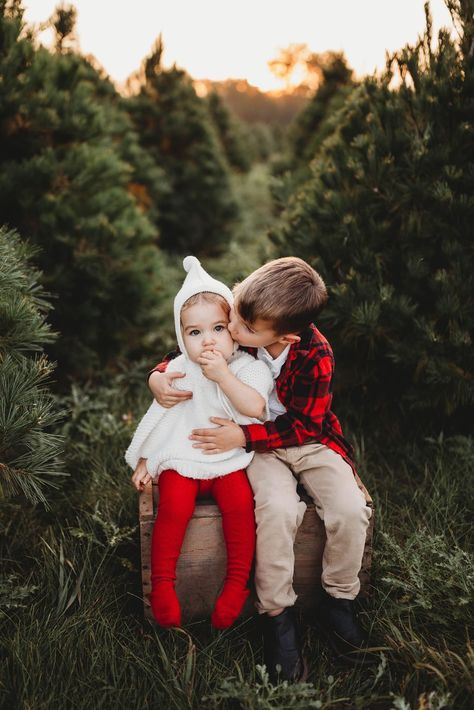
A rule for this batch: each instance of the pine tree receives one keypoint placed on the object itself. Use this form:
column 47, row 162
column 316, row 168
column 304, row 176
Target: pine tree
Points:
column 174, row 126
column 29, row 451
column 231, row 136
column 65, row 186
column 264, row 141
column 310, row 126
column 64, row 22
column 386, row 217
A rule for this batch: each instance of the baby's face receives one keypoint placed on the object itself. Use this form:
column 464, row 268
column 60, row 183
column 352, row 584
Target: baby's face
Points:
column 204, row 327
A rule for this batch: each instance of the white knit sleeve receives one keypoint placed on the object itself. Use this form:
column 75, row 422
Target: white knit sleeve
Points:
column 258, row 376
column 152, row 417
column 145, row 427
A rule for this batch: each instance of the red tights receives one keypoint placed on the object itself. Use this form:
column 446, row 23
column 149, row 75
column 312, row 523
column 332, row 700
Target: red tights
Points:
column 177, row 499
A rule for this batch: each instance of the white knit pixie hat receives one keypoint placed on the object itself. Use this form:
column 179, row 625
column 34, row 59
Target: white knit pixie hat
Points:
column 197, row 281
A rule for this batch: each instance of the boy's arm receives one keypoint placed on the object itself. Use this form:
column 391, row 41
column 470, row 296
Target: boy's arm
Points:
column 160, row 383
column 161, row 366
column 310, row 401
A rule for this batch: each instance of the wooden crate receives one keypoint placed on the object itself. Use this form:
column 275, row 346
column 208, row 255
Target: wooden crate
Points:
column 202, row 563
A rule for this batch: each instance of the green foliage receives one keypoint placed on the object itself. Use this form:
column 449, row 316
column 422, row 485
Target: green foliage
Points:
column 29, row 450
column 426, row 567
column 14, row 594
column 102, row 418
column 230, row 133
column 423, row 564
column 431, row 701
column 310, row 126
column 64, row 22
column 250, row 246
column 413, row 573
column 386, row 217
column 66, row 186
column 264, row 141
column 175, row 128
column 262, row 694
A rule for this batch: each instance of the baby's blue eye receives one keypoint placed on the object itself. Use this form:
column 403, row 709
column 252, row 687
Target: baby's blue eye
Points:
column 194, row 332
column 219, row 328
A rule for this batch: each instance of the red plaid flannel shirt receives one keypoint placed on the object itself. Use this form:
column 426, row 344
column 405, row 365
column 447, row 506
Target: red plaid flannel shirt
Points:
column 304, row 387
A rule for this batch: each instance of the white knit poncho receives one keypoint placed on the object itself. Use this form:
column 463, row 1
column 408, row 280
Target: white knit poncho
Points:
column 162, row 435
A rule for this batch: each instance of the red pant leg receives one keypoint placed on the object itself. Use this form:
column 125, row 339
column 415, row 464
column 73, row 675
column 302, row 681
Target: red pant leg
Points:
column 235, row 500
column 177, row 499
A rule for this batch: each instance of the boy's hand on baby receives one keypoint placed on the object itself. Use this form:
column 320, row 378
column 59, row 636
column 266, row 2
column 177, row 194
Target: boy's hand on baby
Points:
column 228, row 435
column 140, row 476
column 161, row 385
column 213, row 365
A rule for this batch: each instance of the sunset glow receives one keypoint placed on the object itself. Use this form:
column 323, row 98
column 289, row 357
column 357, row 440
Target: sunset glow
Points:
column 220, row 40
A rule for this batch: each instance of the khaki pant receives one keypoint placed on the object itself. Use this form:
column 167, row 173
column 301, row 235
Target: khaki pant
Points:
column 330, row 482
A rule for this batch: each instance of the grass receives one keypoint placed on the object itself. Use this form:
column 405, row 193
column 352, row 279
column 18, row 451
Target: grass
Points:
column 71, row 628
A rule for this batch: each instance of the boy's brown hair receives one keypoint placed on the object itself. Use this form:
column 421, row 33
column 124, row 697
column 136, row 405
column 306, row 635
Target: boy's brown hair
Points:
column 287, row 291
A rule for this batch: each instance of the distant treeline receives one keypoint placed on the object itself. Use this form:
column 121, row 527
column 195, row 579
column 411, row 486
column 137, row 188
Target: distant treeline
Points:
column 250, row 104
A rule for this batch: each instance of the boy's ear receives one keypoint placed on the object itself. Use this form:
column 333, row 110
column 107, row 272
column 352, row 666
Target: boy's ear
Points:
column 290, row 338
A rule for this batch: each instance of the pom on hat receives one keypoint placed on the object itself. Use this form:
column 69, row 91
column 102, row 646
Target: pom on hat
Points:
column 189, row 262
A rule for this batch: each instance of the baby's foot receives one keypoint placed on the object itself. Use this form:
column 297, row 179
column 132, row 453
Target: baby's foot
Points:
column 228, row 606
column 165, row 605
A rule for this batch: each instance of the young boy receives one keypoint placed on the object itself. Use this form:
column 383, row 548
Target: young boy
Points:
column 273, row 316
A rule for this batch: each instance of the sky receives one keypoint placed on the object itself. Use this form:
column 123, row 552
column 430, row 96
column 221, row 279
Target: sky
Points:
column 220, row 39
